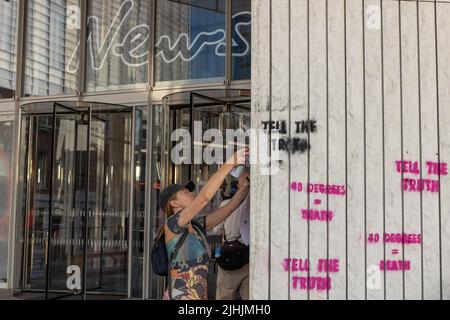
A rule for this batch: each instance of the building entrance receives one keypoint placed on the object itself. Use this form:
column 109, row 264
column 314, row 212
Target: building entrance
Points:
column 199, row 112
column 76, row 162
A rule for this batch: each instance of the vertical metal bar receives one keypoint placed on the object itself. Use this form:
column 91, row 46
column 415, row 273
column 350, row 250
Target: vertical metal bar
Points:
column 152, row 44
column 103, row 205
column 148, row 202
column 82, row 49
column 86, row 215
column 191, row 110
column 50, row 213
column 166, row 175
column 131, row 201
column 13, row 247
column 102, row 226
column 172, row 169
column 165, row 144
column 73, row 205
column 29, row 179
column 229, row 42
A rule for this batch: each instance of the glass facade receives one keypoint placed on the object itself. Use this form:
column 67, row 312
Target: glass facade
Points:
column 242, row 58
column 117, row 44
column 189, row 46
column 190, row 40
column 187, row 41
column 51, row 47
column 8, row 17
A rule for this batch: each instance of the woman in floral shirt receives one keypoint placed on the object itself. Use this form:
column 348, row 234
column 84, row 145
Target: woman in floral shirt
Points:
column 189, row 269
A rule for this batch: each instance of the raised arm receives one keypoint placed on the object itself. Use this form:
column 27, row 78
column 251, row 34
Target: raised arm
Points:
column 217, row 217
column 211, row 188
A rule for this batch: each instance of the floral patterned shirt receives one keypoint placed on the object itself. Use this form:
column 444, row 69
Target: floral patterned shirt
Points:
column 189, row 269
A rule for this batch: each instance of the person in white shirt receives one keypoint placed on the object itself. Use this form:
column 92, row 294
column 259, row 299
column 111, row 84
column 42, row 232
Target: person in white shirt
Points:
column 235, row 228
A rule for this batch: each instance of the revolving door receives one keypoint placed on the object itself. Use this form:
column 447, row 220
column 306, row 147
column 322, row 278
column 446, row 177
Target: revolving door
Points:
column 198, row 112
column 205, row 115
column 76, row 162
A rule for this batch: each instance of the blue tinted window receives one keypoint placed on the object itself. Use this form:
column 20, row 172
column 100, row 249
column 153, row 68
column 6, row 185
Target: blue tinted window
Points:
column 242, row 39
column 190, row 40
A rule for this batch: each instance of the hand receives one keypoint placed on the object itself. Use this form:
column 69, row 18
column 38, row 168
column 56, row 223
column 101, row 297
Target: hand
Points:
column 239, row 157
column 244, row 181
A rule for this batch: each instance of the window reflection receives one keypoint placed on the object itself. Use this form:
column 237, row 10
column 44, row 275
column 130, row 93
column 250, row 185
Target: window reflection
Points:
column 51, row 47
column 140, row 157
column 242, row 39
column 117, row 44
column 8, row 16
column 6, row 148
column 190, row 40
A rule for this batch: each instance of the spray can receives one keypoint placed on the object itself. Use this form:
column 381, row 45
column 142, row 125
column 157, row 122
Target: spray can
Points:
column 238, row 171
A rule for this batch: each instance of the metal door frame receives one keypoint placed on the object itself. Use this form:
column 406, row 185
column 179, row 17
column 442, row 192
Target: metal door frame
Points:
column 86, row 111
column 51, row 204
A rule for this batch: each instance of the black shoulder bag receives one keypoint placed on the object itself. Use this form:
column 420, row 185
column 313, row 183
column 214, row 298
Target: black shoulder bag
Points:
column 234, row 255
column 159, row 255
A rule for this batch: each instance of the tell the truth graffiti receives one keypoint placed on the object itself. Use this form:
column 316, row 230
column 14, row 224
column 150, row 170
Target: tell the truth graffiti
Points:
column 295, row 145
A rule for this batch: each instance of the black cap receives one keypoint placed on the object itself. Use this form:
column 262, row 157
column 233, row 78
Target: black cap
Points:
column 171, row 191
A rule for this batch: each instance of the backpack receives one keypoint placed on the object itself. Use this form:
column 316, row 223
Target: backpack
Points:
column 159, row 255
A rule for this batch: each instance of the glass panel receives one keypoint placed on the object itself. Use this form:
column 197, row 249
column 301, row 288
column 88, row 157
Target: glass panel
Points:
column 231, row 112
column 109, row 199
column 190, row 40
column 156, row 284
column 8, row 16
column 242, row 50
column 117, row 44
column 140, row 158
column 6, row 151
column 210, row 117
column 51, row 47
column 104, row 190
column 68, row 215
column 38, row 176
column 180, row 119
